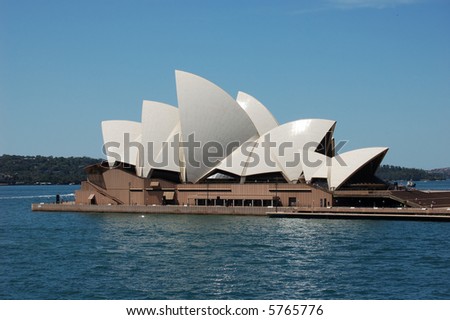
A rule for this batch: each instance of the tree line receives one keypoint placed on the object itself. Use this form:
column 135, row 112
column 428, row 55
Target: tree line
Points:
column 393, row 173
column 43, row 170
column 66, row 170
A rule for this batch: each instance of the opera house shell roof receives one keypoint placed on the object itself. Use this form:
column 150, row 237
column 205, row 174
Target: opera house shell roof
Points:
column 213, row 135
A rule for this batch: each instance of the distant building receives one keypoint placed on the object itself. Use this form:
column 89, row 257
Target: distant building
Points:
column 216, row 150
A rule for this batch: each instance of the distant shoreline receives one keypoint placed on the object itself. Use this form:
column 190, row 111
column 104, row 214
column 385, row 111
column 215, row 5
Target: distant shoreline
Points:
column 29, row 170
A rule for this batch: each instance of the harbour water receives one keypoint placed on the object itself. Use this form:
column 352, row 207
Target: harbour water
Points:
column 130, row 256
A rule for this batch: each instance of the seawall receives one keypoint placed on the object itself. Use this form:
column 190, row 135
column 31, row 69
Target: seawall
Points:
column 421, row 214
column 219, row 210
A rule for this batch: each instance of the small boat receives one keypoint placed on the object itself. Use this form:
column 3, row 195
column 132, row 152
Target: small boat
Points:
column 410, row 184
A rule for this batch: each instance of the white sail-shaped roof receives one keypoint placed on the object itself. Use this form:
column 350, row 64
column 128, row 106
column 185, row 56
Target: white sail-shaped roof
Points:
column 262, row 160
column 241, row 137
column 280, row 150
column 346, row 164
column 212, row 116
column 304, row 135
column 317, row 166
column 236, row 162
column 250, row 159
column 159, row 123
column 170, row 157
column 261, row 117
column 122, row 142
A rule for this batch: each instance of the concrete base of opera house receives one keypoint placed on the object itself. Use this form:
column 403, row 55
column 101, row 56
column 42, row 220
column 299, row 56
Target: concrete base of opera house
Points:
column 151, row 209
column 422, row 214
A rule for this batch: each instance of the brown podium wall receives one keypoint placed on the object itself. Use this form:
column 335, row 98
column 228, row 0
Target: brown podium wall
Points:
column 124, row 187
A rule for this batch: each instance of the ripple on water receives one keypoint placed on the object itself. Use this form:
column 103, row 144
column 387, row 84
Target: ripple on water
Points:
column 125, row 256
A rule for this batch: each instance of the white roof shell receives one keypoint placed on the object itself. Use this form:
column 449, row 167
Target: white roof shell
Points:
column 170, row 155
column 160, row 123
column 305, row 135
column 350, row 162
column 317, row 167
column 286, row 153
column 211, row 115
column 261, row 117
column 121, row 140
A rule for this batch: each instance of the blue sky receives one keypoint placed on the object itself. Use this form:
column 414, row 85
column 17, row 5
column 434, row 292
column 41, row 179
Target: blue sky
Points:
column 381, row 69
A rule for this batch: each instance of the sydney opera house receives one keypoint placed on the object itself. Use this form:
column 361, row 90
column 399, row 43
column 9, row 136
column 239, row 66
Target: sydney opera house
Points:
column 216, row 150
